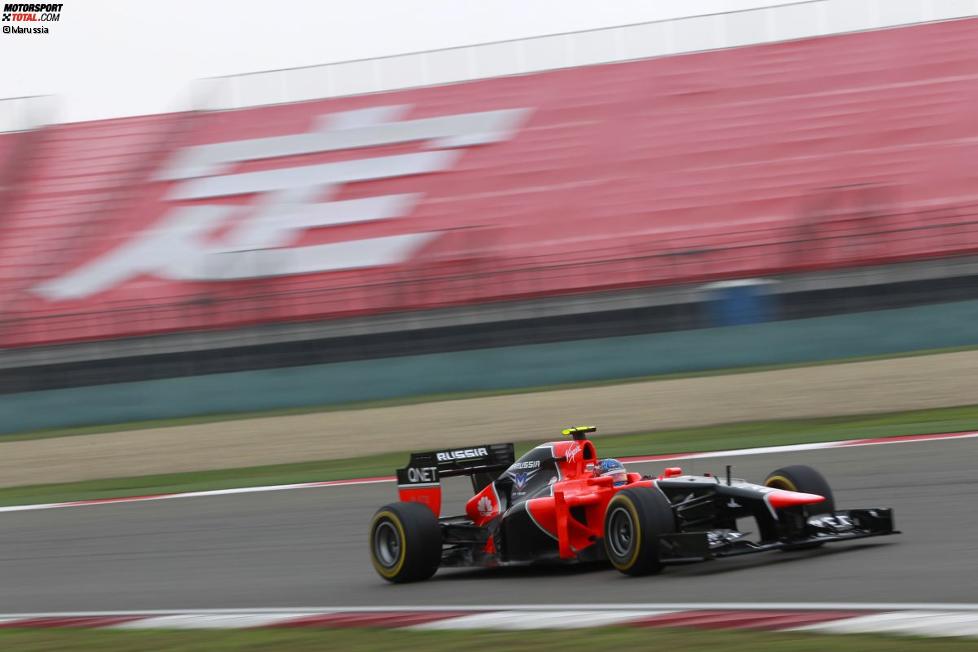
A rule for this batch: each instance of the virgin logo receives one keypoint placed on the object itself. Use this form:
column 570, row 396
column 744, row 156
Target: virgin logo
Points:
column 572, row 451
column 223, row 241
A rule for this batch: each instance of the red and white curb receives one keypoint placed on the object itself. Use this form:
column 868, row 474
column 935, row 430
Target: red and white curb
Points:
column 643, row 459
column 910, row 620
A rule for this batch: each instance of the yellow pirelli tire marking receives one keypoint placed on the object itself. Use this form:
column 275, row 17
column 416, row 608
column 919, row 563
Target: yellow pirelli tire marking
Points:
column 780, row 482
column 625, row 502
column 388, row 572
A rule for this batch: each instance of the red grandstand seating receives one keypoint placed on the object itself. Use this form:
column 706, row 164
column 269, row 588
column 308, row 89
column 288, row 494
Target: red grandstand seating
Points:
column 843, row 150
column 68, row 185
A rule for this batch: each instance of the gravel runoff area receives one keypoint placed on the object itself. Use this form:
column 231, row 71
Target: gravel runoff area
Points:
column 940, row 380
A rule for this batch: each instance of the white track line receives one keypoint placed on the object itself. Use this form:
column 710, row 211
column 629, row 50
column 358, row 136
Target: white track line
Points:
column 197, row 620
column 517, row 620
column 841, row 618
column 907, row 623
column 793, row 448
column 765, row 450
column 911, row 608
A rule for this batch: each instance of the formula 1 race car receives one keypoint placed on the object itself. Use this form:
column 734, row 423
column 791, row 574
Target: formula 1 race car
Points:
column 557, row 503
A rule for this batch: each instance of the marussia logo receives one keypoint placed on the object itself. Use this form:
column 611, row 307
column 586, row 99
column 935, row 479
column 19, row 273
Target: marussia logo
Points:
column 520, row 480
column 224, row 240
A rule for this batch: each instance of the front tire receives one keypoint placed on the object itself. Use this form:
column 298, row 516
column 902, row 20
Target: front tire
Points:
column 799, row 477
column 633, row 522
column 405, row 542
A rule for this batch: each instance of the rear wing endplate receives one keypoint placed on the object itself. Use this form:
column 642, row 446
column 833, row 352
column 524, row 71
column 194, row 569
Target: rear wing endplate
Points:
column 420, row 480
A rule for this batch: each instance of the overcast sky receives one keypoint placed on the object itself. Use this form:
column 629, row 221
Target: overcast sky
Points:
column 108, row 58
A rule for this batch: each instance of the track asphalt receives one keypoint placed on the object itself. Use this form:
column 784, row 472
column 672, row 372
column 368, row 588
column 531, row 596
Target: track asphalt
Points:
column 308, row 547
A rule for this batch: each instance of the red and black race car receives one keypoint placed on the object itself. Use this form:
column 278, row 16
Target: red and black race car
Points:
column 554, row 504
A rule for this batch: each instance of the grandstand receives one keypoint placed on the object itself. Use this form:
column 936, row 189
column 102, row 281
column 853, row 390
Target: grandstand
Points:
column 487, row 211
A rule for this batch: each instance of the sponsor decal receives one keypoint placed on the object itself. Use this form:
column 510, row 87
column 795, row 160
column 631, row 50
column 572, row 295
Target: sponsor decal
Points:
column 462, row 454
column 423, row 474
column 572, row 452
column 832, row 522
column 486, row 508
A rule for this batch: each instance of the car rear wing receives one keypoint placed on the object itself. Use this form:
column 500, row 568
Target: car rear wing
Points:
column 420, row 480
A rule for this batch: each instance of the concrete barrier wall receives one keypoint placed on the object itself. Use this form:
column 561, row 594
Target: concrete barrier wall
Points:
column 805, row 340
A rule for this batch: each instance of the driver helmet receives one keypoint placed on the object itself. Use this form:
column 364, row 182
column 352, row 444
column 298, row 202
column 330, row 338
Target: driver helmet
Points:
column 615, row 469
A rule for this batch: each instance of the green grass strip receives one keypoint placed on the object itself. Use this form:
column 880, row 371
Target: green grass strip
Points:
column 362, row 640
column 719, row 437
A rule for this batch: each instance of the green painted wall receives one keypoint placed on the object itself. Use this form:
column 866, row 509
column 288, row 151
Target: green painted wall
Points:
column 805, row 340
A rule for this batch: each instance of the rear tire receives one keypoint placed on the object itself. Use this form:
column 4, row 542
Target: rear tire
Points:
column 633, row 522
column 405, row 542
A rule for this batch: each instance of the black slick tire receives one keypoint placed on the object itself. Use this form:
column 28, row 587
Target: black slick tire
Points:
column 405, row 542
column 633, row 522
